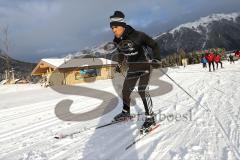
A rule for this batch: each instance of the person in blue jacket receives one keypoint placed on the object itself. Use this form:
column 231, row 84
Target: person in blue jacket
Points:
column 204, row 61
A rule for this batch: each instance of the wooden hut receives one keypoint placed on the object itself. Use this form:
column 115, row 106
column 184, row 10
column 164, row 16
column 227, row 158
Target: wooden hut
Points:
column 73, row 71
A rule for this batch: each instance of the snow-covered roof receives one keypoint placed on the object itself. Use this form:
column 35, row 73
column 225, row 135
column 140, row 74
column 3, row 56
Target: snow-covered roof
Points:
column 82, row 62
column 77, row 62
column 55, row 61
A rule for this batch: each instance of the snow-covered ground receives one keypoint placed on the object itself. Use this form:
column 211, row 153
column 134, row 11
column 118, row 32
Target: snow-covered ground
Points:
column 28, row 122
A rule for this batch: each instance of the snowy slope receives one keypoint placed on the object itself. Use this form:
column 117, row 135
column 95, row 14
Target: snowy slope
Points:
column 95, row 50
column 205, row 21
column 28, row 122
column 207, row 32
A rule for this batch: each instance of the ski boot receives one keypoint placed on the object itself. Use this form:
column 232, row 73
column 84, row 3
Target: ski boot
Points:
column 148, row 124
column 123, row 116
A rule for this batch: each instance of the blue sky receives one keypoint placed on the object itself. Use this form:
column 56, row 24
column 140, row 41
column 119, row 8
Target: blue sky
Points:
column 50, row 28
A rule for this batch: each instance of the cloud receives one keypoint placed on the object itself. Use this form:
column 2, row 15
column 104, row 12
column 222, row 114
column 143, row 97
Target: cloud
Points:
column 59, row 26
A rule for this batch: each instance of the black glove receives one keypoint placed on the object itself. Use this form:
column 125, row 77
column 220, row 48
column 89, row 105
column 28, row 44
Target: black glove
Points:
column 156, row 63
column 118, row 69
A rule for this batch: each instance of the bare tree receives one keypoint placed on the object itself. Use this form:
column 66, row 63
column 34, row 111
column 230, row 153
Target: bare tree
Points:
column 5, row 44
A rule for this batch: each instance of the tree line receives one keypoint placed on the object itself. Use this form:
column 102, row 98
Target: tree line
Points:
column 193, row 57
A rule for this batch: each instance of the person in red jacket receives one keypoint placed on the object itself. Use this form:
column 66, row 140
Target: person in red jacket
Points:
column 210, row 59
column 217, row 59
column 237, row 53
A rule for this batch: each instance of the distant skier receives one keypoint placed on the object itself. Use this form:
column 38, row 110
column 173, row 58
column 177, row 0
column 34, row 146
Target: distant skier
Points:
column 210, row 59
column 217, row 59
column 139, row 67
column 204, row 61
column 231, row 59
column 184, row 62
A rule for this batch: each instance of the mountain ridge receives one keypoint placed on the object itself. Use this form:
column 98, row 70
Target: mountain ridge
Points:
column 216, row 30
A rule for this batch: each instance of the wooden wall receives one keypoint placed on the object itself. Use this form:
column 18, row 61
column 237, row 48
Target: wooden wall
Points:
column 68, row 76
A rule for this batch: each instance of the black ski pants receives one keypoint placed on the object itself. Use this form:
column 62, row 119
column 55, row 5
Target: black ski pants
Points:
column 209, row 65
column 220, row 63
column 142, row 73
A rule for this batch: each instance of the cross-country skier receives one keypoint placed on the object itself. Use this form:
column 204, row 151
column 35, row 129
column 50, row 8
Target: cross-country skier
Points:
column 139, row 66
column 231, row 59
column 217, row 59
column 204, row 61
column 210, row 59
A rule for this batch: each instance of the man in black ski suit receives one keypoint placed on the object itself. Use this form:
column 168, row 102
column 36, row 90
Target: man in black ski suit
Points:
column 139, row 65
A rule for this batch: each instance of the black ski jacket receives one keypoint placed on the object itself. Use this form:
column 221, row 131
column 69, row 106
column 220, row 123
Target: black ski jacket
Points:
column 141, row 41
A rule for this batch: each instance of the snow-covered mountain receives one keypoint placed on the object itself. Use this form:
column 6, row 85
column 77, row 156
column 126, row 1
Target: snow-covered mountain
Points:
column 217, row 30
column 97, row 51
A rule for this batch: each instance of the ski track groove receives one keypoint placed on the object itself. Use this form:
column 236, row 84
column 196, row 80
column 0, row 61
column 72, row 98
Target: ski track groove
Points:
column 27, row 129
column 76, row 146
